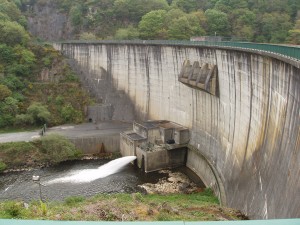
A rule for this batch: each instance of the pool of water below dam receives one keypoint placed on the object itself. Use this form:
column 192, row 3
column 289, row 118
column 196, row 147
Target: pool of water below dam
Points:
column 57, row 183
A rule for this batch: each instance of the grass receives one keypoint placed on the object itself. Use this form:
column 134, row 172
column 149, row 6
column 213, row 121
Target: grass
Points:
column 49, row 149
column 126, row 207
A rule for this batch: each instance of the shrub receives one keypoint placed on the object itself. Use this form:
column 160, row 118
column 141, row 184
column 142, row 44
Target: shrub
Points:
column 24, row 119
column 2, row 166
column 69, row 114
column 13, row 209
column 6, row 120
column 72, row 200
column 56, row 148
column 39, row 113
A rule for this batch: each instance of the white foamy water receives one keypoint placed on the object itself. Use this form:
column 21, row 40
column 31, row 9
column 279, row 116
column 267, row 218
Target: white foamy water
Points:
column 88, row 175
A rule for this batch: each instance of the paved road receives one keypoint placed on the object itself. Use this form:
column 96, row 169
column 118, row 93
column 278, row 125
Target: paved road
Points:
column 71, row 131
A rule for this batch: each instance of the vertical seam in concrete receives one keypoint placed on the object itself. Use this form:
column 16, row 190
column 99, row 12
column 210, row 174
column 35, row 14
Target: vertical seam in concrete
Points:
column 250, row 117
column 234, row 121
column 148, row 81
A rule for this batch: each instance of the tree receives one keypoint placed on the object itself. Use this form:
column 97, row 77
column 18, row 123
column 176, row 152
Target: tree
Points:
column 172, row 15
column 228, row 6
column 7, row 55
column 69, row 114
column 133, row 10
column 243, row 23
column 13, row 83
column 189, row 5
column 180, row 29
column 39, row 113
column 217, row 22
column 152, row 25
column 12, row 33
column 87, row 36
column 4, row 92
column 10, row 106
column 128, row 33
column 275, row 26
column 12, row 11
column 76, row 15
column 294, row 34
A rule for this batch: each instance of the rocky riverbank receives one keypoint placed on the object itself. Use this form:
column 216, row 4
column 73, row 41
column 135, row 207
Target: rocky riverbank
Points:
column 176, row 182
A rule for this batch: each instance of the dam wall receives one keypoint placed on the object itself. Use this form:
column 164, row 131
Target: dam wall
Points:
column 249, row 132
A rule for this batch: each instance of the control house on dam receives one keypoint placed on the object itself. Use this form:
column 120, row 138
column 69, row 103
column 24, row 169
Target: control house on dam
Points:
column 240, row 104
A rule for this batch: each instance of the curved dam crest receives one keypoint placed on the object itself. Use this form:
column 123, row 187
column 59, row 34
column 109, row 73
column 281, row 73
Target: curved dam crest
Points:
column 249, row 133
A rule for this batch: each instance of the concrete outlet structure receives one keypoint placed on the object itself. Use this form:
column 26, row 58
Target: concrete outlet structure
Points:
column 157, row 144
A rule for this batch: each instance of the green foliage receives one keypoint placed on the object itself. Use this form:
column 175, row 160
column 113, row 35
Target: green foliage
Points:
column 129, row 33
column 6, row 54
column 76, row 15
column 69, row 114
column 152, row 25
column 217, row 22
column 12, row 33
column 6, row 120
column 10, row 9
column 24, row 120
column 3, row 166
column 133, row 10
column 260, row 21
column 9, row 106
column 43, row 208
column 294, row 36
column 39, row 113
column 59, row 100
column 4, row 92
column 87, row 36
column 56, row 148
column 188, row 5
column 51, row 148
column 12, row 82
column 12, row 209
column 275, row 26
column 73, row 200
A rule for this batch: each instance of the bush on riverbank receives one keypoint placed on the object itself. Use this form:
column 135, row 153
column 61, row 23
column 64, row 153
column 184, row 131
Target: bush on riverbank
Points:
column 49, row 149
column 127, row 207
column 2, row 166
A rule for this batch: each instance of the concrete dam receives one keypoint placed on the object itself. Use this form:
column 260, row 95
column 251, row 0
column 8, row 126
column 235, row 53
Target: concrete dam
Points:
column 241, row 106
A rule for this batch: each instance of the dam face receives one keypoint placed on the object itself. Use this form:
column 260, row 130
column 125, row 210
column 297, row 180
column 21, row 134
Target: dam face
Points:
column 248, row 135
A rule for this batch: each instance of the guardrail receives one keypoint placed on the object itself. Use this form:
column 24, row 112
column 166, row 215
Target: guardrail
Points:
column 291, row 52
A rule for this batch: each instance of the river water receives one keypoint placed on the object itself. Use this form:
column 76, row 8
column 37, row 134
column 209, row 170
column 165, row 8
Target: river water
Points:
column 57, row 185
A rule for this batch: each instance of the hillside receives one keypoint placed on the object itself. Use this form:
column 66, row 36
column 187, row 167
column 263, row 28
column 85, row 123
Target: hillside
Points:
column 271, row 21
column 37, row 85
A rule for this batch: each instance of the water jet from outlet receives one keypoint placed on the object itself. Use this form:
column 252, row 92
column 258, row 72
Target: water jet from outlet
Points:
column 89, row 175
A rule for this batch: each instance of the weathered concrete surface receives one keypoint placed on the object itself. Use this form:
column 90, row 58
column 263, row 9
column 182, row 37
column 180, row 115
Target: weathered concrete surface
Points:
column 88, row 137
column 250, row 133
column 92, row 138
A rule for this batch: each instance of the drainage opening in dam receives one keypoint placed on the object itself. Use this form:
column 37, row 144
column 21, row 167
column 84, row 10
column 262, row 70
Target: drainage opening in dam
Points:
column 85, row 178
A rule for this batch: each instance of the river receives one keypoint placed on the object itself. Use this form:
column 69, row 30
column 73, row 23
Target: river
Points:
column 19, row 185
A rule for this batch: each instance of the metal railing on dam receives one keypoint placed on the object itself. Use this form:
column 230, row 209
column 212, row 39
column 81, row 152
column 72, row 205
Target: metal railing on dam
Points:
column 241, row 222
column 291, row 52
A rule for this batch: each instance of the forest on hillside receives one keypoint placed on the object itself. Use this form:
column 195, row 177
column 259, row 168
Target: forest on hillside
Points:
column 33, row 78
column 264, row 21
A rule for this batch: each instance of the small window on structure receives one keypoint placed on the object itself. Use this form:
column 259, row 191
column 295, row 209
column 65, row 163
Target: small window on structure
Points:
column 90, row 120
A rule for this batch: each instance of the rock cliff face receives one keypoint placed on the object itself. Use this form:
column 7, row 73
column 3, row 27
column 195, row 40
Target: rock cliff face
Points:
column 249, row 132
column 48, row 23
